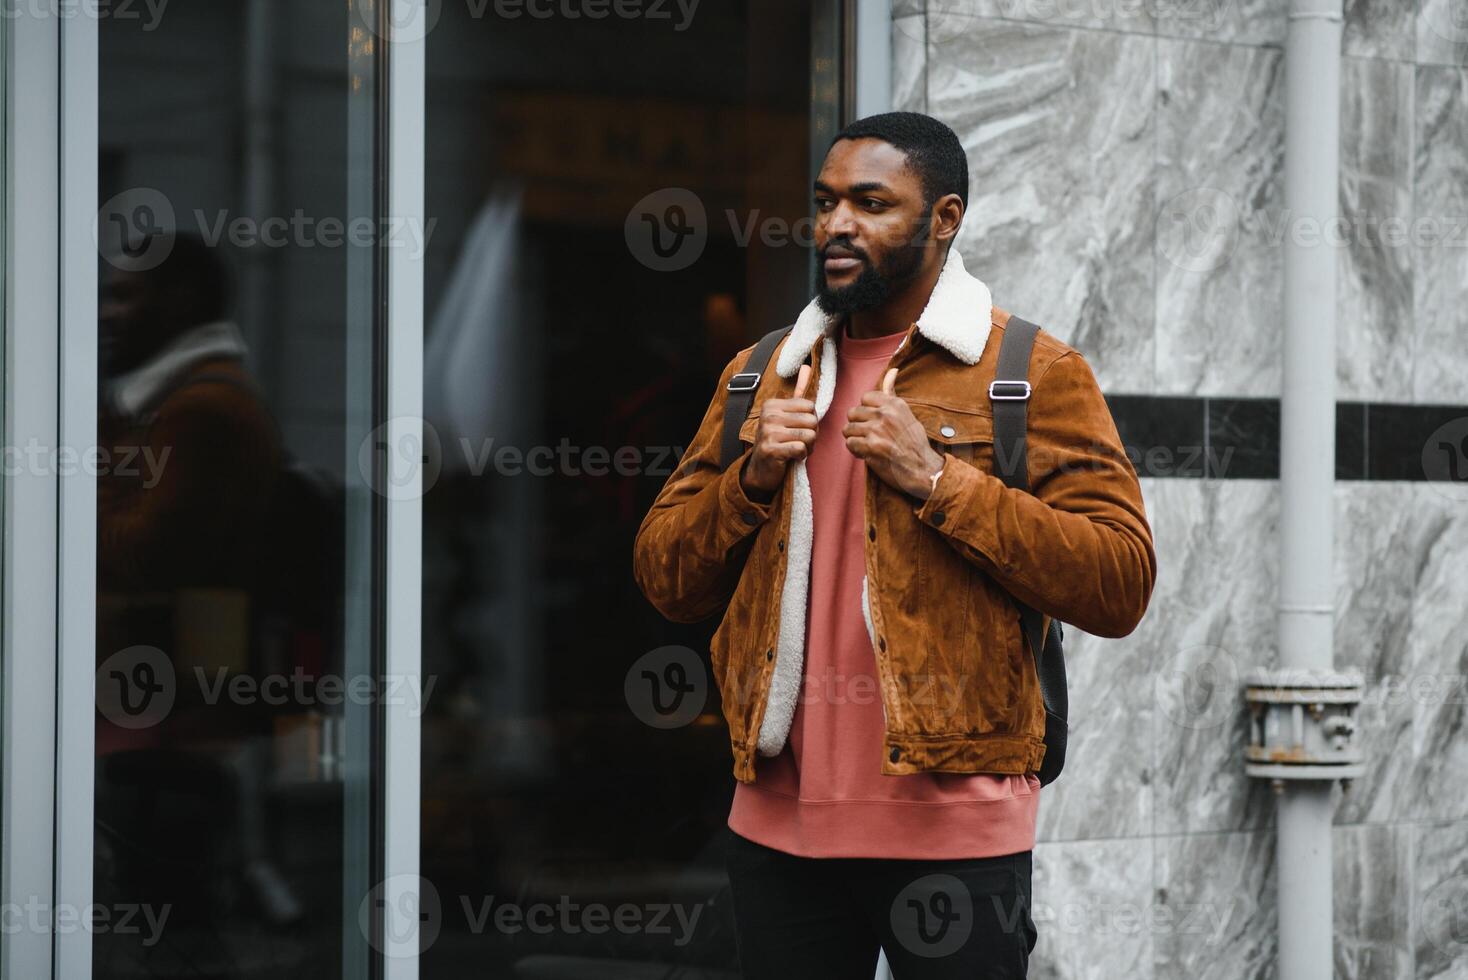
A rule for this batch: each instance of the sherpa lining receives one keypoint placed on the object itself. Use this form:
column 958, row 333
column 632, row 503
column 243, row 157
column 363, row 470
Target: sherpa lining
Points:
column 790, row 645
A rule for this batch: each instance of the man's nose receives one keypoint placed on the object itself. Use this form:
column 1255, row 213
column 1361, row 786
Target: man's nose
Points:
column 842, row 223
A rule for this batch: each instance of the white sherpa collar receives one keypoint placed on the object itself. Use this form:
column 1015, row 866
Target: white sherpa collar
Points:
column 956, row 318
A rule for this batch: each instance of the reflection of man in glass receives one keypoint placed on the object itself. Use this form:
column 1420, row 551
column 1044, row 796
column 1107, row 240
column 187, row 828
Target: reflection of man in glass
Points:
column 175, row 394
column 190, row 461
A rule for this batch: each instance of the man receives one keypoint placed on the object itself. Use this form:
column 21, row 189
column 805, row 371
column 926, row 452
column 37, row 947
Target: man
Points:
column 867, row 561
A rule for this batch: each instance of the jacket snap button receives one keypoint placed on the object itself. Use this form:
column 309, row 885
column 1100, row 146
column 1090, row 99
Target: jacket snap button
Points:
column 770, row 654
column 782, row 544
column 937, row 517
column 872, row 532
column 893, row 754
column 947, row 430
column 750, row 517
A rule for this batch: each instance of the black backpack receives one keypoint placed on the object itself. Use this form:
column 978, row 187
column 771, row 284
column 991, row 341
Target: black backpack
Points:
column 1011, row 378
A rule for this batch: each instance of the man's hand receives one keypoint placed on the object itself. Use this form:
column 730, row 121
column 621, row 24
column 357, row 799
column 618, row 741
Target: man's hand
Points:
column 883, row 432
column 786, row 429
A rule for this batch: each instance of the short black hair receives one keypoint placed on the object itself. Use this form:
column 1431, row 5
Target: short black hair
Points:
column 933, row 150
column 193, row 278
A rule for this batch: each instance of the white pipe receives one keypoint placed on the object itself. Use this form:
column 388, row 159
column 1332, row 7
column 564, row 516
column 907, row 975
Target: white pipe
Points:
column 1307, row 460
column 873, row 57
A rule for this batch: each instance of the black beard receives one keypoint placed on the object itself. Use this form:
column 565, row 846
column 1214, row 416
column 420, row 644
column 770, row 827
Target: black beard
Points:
column 875, row 286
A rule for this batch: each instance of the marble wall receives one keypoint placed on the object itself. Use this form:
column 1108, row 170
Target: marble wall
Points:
column 1126, row 161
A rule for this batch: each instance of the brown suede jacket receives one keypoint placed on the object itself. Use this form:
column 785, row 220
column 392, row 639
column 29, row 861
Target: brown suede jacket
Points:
column 958, row 685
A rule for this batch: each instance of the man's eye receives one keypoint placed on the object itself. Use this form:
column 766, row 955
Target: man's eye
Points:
column 823, row 203
column 872, row 202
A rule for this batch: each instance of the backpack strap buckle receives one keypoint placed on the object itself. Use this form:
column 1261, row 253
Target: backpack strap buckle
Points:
column 736, row 385
column 1022, row 395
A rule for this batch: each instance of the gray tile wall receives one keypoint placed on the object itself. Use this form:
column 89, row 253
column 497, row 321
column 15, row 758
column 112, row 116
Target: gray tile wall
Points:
column 1126, row 162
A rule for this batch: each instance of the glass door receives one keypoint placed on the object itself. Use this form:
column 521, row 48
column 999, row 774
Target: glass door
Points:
column 620, row 203
column 242, row 681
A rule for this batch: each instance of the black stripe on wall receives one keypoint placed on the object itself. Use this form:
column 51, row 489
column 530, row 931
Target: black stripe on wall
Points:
column 1238, row 438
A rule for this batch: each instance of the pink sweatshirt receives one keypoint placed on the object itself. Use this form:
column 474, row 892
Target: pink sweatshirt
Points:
column 824, row 795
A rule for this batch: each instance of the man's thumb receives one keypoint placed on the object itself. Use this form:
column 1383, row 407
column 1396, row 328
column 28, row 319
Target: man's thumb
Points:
column 889, row 382
column 801, row 380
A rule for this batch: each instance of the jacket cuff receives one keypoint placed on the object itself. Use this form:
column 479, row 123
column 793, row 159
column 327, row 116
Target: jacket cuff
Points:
column 962, row 490
column 741, row 514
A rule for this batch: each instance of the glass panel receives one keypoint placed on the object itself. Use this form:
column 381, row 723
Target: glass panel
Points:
column 567, row 351
column 239, row 571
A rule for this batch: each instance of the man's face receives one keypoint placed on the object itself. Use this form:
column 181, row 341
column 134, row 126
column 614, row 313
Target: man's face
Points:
column 124, row 333
column 871, row 227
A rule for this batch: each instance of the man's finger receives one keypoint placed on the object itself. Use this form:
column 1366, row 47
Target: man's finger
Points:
column 801, row 380
column 889, row 383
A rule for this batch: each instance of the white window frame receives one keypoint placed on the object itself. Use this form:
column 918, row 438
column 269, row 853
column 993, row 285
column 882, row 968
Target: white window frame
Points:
column 28, row 608
column 48, row 602
column 406, row 111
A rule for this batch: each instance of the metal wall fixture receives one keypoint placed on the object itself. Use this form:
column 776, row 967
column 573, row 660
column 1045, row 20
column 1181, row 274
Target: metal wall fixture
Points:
column 1302, row 725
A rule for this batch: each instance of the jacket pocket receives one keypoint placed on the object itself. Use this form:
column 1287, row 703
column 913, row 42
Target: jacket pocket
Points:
column 968, row 435
column 748, row 426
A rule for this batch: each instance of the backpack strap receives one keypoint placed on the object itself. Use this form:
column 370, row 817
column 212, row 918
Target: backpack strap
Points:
column 1009, row 394
column 741, row 392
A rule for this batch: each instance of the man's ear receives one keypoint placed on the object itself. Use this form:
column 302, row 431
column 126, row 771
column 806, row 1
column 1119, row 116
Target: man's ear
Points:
column 947, row 217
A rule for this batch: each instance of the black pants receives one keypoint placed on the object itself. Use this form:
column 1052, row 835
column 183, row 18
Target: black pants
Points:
column 826, row 917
